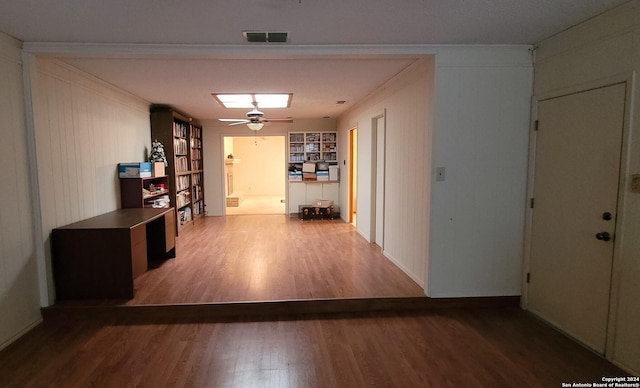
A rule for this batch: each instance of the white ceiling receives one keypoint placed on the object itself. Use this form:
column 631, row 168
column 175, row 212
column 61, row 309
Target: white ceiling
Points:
column 179, row 52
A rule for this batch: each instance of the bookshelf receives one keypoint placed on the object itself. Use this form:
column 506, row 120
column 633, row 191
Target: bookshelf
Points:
column 145, row 192
column 182, row 140
column 313, row 147
column 321, row 149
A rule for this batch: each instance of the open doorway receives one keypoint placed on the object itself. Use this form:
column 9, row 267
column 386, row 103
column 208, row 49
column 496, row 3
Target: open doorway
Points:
column 254, row 176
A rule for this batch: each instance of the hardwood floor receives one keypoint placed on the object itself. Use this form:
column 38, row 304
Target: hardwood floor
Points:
column 368, row 324
column 270, row 257
column 481, row 347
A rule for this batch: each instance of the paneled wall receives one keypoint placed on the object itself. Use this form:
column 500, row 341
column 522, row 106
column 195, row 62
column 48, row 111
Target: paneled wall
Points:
column 83, row 129
column 406, row 103
column 480, row 139
column 467, row 113
column 603, row 50
column 19, row 303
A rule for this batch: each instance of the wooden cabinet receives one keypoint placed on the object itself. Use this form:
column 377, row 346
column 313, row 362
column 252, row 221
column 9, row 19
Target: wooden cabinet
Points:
column 181, row 137
column 101, row 256
column 145, row 192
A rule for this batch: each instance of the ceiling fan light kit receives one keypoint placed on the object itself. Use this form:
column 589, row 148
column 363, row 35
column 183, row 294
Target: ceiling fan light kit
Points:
column 255, row 126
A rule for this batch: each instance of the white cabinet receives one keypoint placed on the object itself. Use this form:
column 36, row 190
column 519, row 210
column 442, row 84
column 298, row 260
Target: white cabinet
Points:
column 304, row 193
column 297, row 196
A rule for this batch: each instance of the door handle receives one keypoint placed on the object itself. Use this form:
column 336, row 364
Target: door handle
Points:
column 606, row 216
column 603, row 236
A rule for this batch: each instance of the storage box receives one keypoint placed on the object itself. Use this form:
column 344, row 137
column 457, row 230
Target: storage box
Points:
column 322, row 175
column 333, row 173
column 323, row 203
column 158, row 169
column 309, row 177
column 134, row 170
column 309, row 167
column 308, row 212
column 295, row 176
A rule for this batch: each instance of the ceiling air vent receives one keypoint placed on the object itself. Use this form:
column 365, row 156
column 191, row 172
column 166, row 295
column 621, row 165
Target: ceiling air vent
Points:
column 265, row 37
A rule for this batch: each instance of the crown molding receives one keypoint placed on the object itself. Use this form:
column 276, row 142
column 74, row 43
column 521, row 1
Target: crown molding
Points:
column 257, row 51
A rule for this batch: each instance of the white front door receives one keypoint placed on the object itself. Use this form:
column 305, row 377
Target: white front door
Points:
column 577, row 168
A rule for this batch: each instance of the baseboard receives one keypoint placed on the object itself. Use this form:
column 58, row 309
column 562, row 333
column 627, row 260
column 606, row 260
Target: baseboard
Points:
column 22, row 332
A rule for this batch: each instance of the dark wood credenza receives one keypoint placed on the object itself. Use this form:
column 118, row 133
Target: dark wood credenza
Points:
column 98, row 258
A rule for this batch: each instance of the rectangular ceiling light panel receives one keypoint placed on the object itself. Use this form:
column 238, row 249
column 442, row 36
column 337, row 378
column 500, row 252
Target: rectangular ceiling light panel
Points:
column 267, row 100
column 273, row 100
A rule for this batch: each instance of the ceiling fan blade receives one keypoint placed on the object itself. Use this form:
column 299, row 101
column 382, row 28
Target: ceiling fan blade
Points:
column 240, row 120
column 277, row 121
column 235, row 121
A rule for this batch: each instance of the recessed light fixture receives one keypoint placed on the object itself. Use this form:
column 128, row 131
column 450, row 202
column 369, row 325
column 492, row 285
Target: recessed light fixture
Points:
column 247, row 100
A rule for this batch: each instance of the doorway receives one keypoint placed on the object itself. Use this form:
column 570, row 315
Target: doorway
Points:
column 254, row 175
column 576, row 181
column 353, row 175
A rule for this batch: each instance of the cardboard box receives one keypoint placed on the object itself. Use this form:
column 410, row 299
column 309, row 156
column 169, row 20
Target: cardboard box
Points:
column 158, row 169
column 134, row 170
column 309, row 177
column 309, row 167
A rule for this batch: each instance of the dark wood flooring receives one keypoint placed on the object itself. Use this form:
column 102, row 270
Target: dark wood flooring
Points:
column 448, row 347
column 369, row 325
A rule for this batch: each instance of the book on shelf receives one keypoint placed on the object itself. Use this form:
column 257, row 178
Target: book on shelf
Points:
column 182, row 164
column 180, row 129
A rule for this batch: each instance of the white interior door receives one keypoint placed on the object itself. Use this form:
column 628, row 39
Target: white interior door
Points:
column 577, row 167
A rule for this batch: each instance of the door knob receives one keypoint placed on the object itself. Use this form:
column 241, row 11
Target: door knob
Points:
column 606, row 216
column 604, row 236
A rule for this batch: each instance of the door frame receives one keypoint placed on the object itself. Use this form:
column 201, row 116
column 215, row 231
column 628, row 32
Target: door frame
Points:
column 628, row 80
column 353, row 172
column 378, row 167
column 223, row 182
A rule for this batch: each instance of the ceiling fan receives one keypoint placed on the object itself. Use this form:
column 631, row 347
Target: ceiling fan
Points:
column 255, row 119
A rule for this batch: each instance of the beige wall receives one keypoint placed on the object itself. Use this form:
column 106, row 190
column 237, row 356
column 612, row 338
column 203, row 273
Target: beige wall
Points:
column 19, row 297
column 599, row 52
column 262, row 169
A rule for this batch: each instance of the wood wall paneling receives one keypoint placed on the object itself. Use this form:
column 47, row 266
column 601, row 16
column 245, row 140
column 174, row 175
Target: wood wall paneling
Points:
column 406, row 101
column 84, row 128
column 19, row 301
column 481, row 138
